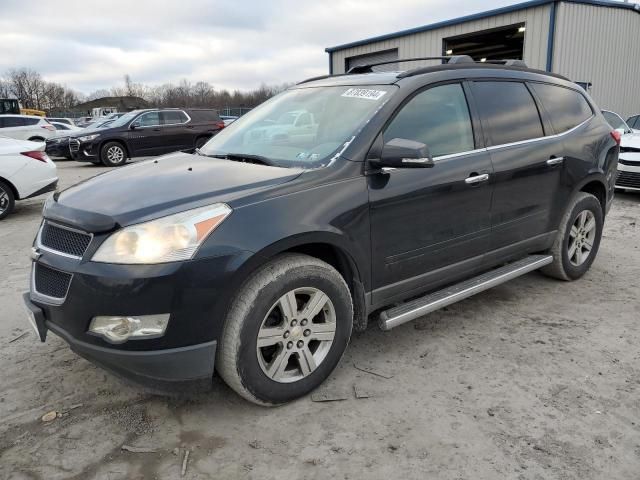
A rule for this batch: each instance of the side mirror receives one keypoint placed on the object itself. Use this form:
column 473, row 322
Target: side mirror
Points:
column 403, row 153
column 133, row 126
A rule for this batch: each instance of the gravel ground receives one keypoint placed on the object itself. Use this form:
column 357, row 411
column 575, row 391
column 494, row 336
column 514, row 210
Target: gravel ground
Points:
column 534, row 379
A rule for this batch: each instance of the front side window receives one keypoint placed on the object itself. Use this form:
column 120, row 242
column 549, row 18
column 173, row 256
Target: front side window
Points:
column 509, row 111
column 13, row 122
column 567, row 108
column 151, row 119
column 438, row 117
column 304, row 127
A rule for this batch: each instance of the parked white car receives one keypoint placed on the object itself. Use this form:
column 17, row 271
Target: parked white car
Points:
column 64, row 129
column 26, row 127
column 25, row 171
column 66, row 121
column 634, row 123
column 629, row 161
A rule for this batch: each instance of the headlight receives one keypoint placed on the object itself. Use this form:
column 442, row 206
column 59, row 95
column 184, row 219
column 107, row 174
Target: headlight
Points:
column 168, row 239
column 88, row 138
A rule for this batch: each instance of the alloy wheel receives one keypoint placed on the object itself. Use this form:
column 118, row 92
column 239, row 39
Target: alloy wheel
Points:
column 296, row 335
column 4, row 200
column 115, row 154
column 582, row 237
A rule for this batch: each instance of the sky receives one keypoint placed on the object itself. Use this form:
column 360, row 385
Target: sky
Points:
column 89, row 45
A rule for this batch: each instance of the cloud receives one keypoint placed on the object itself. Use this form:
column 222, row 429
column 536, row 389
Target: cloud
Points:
column 231, row 44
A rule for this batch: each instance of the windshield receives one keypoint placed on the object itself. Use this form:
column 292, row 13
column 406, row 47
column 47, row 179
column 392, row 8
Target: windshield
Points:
column 303, row 127
column 124, row 119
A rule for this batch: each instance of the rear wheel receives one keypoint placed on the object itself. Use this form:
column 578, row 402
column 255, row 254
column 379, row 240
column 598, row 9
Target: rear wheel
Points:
column 578, row 239
column 286, row 330
column 7, row 200
column 113, row 154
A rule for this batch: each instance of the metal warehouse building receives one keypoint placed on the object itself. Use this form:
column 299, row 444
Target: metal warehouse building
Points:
column 594, row 43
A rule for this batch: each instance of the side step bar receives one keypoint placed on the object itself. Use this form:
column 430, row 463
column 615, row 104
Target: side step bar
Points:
column 421, row 306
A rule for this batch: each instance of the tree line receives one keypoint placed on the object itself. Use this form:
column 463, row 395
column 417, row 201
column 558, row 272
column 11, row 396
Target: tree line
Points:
column 33, row 91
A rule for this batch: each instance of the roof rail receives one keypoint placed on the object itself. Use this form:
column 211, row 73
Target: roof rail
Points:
column 450, row 59
column 508, row 62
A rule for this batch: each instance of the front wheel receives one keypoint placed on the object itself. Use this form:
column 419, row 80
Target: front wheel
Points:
column 7, row 200
column 578, row 239
column 113, row 154
column 286, row 330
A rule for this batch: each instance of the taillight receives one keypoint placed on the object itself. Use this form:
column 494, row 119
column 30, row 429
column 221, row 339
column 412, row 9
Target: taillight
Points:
column 49, row 127
column 617, row 136
column 220, row 124
column 36, row 155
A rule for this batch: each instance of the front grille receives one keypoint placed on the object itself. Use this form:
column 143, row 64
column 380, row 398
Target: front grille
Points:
column 74, row 145
column 628, row 179
column 50, row 282
column 629, row 150
column 63, row 240
column 633, row 163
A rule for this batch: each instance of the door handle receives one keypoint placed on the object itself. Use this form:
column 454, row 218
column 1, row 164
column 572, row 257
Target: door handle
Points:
column 474, row 179
column 555, row 161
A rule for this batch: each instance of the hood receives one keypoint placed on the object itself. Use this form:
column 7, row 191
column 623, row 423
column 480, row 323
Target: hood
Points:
column 630, row 140
column 159, row 187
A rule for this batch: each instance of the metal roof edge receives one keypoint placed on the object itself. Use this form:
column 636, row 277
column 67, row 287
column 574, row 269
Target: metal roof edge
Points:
column 478, row 16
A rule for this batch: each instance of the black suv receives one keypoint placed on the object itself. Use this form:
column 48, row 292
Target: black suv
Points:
column 259, row 254
column 146, row 132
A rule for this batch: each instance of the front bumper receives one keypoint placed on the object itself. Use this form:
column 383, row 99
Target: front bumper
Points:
column 161, row 369
column 195, row 293
column 83, row 151
column 628, row 176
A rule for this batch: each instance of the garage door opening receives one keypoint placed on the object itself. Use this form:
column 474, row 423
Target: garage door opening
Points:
column 494, row 44
column 369, row 58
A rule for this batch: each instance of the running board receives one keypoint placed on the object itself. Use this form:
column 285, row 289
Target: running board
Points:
column 421, row 306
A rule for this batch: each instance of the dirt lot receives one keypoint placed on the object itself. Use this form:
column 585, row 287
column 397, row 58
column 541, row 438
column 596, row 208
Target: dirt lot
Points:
column 535, row 379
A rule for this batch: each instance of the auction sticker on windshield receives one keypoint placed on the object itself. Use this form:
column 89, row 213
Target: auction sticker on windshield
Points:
column 364, row 93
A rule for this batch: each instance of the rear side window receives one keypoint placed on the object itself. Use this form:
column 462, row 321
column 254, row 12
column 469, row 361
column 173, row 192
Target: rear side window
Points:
column 567, row 108
column 509, row 111
column 172, row 117
column 438, row 117
column 33, row 121
column 13, row 122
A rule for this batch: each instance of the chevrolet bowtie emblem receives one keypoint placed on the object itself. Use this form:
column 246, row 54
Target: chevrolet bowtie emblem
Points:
column 35, row 254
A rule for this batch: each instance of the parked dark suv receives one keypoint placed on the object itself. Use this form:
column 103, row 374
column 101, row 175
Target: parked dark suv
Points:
column 260, row 253
column 146, row 132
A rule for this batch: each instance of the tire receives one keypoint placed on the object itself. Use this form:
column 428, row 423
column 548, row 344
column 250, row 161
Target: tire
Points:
column 7, row 200
column 200, row 141
column 572, row 262
column 261, row 302
column 113, row 154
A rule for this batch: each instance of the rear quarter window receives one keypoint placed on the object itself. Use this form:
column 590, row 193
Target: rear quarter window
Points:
column 208, row 115
column 567, row 108
column 508, row 110
column 32, row 121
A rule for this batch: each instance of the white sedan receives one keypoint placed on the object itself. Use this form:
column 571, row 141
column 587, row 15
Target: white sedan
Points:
column 25, row 171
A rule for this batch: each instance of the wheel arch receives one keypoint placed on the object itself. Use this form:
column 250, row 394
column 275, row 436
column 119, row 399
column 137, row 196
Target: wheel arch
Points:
column 115, row 140
column 329, row 248
column 595, row 185
column 36, row 139
column 13, row 188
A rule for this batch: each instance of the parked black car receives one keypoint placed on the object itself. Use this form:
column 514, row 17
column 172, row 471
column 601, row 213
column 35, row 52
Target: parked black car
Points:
column 58, row 147
column 146, row 132
column 260, row 253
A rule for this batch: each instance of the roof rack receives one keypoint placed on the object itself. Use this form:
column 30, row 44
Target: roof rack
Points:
column 450, row 59
column 508, row 62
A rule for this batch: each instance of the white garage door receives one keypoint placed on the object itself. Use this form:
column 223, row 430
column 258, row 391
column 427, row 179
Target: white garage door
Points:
column 369, row 58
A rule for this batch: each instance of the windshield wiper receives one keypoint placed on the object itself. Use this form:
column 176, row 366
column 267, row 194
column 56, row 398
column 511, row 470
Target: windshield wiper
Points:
column 245, row 157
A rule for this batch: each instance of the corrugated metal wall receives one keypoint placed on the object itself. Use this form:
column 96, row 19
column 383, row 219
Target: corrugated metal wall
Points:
column 429, row 43
column 602, row 46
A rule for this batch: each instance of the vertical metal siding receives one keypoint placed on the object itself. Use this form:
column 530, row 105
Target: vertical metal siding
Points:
column 429, row 43
column 600, row 45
